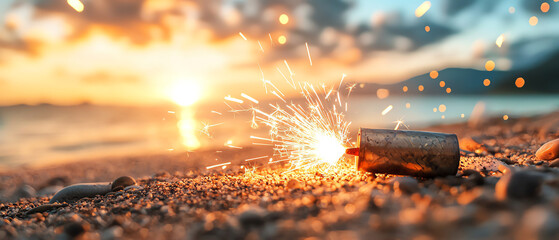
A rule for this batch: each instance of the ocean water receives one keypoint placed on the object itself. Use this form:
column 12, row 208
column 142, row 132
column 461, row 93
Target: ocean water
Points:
column 44, row 134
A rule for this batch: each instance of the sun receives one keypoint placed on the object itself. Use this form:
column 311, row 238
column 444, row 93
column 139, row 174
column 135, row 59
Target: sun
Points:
column 185, row 92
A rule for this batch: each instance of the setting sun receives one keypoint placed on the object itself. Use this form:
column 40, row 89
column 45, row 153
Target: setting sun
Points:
column 185, row 92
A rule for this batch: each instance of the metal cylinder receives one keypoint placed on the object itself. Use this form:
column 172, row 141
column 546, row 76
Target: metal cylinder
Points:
column 414, row 153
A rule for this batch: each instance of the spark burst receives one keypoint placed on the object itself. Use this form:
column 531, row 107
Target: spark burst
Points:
column 311, row 135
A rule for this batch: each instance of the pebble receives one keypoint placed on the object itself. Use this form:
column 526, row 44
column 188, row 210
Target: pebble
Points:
column 114, row 232
column 74, row 192
column 471, row 145
column 253, row 216
column 519, row 185
column 25, row 191
column 74, row 229
column 122, row 182
column 293, row 184
column 406, row 185
column 44, row 208
column 549, row 150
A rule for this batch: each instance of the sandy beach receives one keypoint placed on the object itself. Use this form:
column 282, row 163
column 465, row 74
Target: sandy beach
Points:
column 500, row 192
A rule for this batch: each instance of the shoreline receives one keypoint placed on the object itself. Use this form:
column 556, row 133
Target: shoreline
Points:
column 177, row 197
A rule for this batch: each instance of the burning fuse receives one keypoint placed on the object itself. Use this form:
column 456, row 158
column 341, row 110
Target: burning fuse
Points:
column 414, row 153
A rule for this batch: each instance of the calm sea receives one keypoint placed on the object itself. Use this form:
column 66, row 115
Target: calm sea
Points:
column 36, row 135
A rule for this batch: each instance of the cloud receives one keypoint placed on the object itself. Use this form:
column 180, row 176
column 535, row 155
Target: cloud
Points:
column 106, row 77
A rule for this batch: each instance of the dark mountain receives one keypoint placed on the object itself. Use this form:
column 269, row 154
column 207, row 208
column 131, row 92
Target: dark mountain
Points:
column 541, row 78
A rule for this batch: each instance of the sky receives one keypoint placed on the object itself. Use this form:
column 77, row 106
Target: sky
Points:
column 137, row 52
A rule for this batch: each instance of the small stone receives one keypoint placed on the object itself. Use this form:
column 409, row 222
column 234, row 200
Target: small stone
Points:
column 519, row 185
column 122, row 182
column 253, row 216
column 72, row 193
column 74, row 229
column 133, row 188
column 406, row 185
column 548, row 151
column 44, row 208
column 293, row 183
column 471, row 145
column 25, row 191
column 114, row 232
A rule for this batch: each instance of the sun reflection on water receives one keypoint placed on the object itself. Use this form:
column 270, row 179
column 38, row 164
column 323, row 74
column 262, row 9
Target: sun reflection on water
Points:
column 185, row 94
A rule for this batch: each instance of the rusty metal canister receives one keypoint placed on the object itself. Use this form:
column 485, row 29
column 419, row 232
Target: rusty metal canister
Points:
column 414, row 153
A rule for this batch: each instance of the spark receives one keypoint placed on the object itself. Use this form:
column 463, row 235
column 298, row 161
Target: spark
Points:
column 218, row 165
column 500, row 40
column 76, row 5
column 232, row 99
column 399, row 123
column 489, row 65
column 350, row 88
column 218, row 113
column 171, row 112
column 261, row 48
column 283, row 19
column 422, row 9
column 387, row 109
column 277, row 95
column 249, row 98
column 308, row 53
column 255, row 158
column 305, row 136
column 243, row 36
column 206, row 129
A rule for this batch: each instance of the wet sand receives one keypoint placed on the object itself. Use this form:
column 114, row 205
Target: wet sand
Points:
column 500, row 192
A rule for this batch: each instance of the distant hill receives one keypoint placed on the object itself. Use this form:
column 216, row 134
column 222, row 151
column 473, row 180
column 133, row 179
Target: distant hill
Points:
column 541, row 78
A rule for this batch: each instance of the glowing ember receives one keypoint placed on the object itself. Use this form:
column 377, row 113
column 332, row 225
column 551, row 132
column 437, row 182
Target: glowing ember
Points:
column 387, row 109
column 76, row 5
column 282, row 39
column 308, row 53
column 533, row 20
column 310, row 136
column 243, row 36
column 519, row 82
column 544, row 7
column 500, row 40
column 283, row 19
column 328, row 148
column 434, row 74
column 442, row 108
column 218, row 165
column 486, row 82
column 489, row 65
column 382, row 93
column 422, row 9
